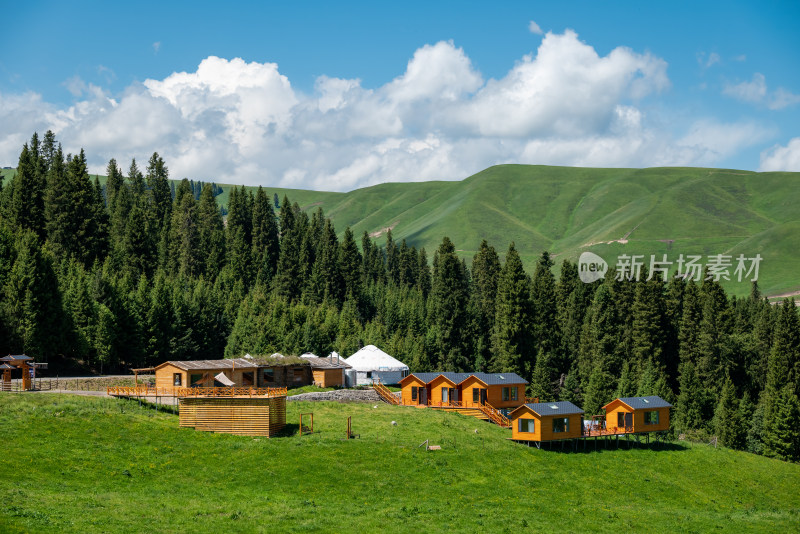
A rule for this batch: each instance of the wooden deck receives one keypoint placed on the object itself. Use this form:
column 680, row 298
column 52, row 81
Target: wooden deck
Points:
column 148, row 391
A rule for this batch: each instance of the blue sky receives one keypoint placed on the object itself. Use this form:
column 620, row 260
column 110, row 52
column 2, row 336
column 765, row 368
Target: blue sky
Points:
column 329, row 96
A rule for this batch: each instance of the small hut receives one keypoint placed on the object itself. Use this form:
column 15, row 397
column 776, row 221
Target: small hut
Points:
column 245, row 416
column 637, row 414
column 546, row 421
column 327, row 372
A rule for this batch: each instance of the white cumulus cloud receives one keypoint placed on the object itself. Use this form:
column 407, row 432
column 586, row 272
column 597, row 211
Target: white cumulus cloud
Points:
column 234, row 121
column 755, row 91
column 782, row 158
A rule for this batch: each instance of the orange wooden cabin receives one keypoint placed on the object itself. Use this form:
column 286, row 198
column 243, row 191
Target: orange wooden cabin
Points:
column 633, row 415
column 327, row 372
column 504, row 391
column 546, row 421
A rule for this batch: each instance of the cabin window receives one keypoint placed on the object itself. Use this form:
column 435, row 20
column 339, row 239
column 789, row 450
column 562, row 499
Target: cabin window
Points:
column 298, row 374
column 196, row 379
column 444, row 394
column 620, row 419
column 475, row 394
column 560, row 424
column 176, row 379
column 269, row 375
column 369, row 374
column 413, row 393
column 651, row 418
column 405, row 373
column 513, row 393
column 525, row 425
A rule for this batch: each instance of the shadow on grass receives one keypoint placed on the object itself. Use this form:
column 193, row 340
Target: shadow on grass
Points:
column 586, row 446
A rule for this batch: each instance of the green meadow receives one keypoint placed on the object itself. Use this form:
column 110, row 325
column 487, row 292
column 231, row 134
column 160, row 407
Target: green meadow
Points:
column 81, row 464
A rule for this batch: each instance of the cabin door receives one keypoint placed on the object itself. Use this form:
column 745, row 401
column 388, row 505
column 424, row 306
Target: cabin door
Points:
column 628, row 420
column 483, row 396
column 423, row 396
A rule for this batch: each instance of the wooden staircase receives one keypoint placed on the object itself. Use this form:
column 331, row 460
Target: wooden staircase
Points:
column 384, row 392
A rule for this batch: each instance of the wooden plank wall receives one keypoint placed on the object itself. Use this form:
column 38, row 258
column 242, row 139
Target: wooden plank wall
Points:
column 245, row 416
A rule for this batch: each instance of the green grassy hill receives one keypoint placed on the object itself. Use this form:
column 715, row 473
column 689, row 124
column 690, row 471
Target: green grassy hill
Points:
column 610, row 212
column 568, row 210
column 78, row 464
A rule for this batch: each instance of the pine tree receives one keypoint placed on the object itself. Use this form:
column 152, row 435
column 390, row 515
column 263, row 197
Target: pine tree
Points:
column 513, row 345
column 160, row 190
column 485, row 274
column 211, row 234
column 266, row 247
column 542, row 383
column 185, row 249
column 350, row 261
column 27, row 201
column 690, row 408
column 447, row 310
column 423, row 274
column 728, row 422
column 781, row 435
column 287, row 278
column 545, row 327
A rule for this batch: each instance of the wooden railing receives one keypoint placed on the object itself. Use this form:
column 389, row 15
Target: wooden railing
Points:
column 148, row 391
column 531, row 400
column 446, row 404
column 384, row 392
column 494, row 415
column 593, row 431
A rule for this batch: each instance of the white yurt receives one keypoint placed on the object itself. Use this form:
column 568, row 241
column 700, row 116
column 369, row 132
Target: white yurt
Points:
column 371, row 363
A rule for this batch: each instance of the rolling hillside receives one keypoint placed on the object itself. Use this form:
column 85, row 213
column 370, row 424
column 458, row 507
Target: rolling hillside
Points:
column 610, row 212
column 568, row 210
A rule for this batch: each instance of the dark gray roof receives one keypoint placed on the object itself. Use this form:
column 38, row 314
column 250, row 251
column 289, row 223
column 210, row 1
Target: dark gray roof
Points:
column 493, row 379
column 554, row 408
column 490, row 379
column 642, row 403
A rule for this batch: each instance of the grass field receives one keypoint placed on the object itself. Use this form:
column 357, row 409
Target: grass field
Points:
column 569, row 210
column 75, row 464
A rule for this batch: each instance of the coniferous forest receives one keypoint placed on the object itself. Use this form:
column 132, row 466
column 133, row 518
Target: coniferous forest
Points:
column 141, row 270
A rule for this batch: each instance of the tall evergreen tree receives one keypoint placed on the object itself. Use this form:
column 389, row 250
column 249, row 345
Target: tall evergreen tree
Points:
column 266, row 247
column 513, row 345
column 447, row 310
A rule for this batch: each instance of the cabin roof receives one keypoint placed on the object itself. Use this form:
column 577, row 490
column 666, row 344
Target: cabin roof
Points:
column 490, row 379
column 643, row 403
column 194, row 365
column 325, row 363
column 552, row 408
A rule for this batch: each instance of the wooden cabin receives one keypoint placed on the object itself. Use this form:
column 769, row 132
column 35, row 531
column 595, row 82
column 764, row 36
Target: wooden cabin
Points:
column 546, row 421
column 239, row 372
column 504, row 391
column 414, row 390
column 637, row 414
column 327, row 372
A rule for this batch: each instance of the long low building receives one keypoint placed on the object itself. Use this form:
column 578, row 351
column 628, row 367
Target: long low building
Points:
column 238, row 372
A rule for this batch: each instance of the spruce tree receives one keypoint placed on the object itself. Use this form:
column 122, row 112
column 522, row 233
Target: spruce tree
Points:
column 545, row 327
column 513, row 345
column 160, row 190
column 447, row 310
column 266, row 247
column 350, row 262
column 728, row 423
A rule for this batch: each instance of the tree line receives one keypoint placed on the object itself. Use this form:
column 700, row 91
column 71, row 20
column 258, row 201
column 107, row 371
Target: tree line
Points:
column 140, row 270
